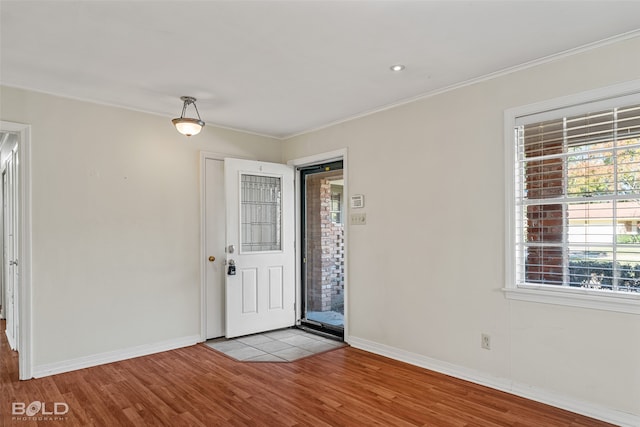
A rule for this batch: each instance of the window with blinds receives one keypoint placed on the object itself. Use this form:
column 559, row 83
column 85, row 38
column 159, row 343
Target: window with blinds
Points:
column 578, row 199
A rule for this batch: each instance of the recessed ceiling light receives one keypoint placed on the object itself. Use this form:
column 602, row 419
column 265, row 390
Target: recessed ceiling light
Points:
column 397, row 67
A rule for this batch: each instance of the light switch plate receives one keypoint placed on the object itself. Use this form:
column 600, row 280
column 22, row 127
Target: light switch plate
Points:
column 358, row 218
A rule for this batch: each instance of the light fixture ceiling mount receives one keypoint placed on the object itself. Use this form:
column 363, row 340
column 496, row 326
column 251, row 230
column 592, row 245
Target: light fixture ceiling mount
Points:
column 397, row 67
column 185, row 125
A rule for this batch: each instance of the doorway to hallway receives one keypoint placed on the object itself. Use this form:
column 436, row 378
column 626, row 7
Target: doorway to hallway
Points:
column 323, row 250
column 15, row 164
column 10, row 281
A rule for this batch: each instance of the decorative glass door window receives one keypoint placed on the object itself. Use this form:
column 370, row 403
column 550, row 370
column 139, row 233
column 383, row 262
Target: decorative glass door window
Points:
column 261, row 208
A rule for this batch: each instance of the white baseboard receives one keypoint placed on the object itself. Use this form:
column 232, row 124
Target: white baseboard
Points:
column 537, row 394
column 112, row 356
column 10, row 340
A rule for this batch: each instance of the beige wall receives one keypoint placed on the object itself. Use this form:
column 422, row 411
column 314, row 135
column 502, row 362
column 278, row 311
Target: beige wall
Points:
column 116, row 223
column 426, row 271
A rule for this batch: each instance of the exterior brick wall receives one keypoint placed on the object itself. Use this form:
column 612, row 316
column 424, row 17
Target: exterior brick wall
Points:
column 545, row 223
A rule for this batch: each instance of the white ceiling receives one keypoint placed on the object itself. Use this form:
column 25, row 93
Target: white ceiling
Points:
column 280, row 68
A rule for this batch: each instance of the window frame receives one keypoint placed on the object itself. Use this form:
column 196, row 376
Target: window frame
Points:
column 560, row 295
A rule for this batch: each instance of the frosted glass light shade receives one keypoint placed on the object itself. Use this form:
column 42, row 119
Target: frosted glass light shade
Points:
column 188, row 126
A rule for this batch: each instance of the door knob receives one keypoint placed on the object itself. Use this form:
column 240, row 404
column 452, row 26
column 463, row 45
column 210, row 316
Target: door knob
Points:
column 212, row 258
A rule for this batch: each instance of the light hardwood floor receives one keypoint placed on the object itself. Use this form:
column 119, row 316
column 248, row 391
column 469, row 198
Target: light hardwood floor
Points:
column 197, row 386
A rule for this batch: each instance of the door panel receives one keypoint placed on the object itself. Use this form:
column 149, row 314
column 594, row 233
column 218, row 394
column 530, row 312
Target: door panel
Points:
column 249, row 291
column 276, row 288
column 260, row 296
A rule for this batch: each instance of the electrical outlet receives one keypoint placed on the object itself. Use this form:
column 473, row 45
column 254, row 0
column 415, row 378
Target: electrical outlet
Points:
column 485, row 341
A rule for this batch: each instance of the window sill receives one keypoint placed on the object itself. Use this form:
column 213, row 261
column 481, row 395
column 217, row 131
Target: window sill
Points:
column 576, row 297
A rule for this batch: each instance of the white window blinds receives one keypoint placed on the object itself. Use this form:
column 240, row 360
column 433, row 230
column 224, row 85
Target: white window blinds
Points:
column 578, row 199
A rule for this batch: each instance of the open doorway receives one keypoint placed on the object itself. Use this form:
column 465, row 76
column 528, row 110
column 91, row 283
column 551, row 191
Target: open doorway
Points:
column 10, row 236
column 15, row 149
column 323, row 250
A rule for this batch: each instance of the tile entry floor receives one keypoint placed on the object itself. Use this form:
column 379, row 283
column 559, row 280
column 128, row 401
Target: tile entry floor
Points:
column 283, row 345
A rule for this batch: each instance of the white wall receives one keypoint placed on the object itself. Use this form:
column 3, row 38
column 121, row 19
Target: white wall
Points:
column 426, row 271
column 116, row 223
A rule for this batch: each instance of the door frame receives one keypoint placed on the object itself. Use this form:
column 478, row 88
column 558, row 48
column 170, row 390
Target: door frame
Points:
column 340, row 154
column 327, row 157
column 24, row 288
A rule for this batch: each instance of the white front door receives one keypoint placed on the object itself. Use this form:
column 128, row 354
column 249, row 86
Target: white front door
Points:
column 260, row 270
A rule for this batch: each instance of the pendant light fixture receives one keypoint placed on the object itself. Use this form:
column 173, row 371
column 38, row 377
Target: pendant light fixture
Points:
column 185, row 125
